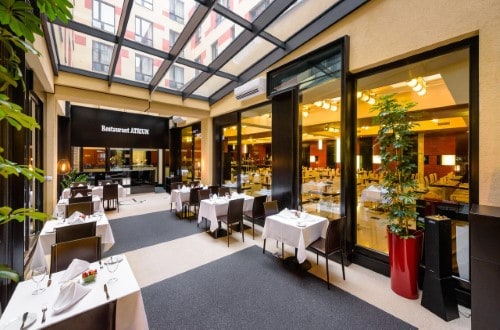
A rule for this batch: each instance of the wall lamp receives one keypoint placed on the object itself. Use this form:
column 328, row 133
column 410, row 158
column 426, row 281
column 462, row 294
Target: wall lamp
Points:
column 419, row 85
column 63, row 166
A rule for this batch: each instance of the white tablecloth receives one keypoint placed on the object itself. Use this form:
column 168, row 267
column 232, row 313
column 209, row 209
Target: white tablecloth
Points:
column 285, row 229
column 130, row 312
column 60, row 208
column 372, row 194
column 47, row 237
column 179, row 196
column 97, row 191
column 315, row 186
column 210, row 209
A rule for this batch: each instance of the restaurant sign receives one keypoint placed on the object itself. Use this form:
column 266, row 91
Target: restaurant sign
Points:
column 92, row 127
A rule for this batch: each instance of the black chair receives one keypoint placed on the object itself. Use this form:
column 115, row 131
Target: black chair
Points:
column 83, row 207
column 82, row 199
column 333, row 242
column 101, row 317
column 173, row 185
column 192, row 202
column 62, row 254
column 72, row 232
column 213, row 189
column 110, row 196
column 234, row 216
column 257, row 212
column 80, row 192
column 81, row 185
column 271, row 208
column 223, row 190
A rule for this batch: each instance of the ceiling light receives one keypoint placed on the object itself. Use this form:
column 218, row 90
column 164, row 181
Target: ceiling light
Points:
column 320, row 144
column 333, row 107
column 305, row 113
column 318, row 103
column 326, row 106
column 418, row 85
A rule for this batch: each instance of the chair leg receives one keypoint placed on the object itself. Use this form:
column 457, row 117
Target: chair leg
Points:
column 327, row 274
column 253, row 229
column 342, row 262
column 317, row 257
column 242, row 230
column 282, row 250
column 228, row 234
column 264, row 246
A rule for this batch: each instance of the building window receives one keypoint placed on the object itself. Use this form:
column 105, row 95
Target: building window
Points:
column 177, row 10
column 214, row 50
column 197, row 35
column 258, row 9
column 218, row 19
column 173, row 38
column 101, row 56
column 224, row 3
column 103, row 16
column 197, row 60
column 145, row 3
column 143, row 68
column 143, row 31
column 176, row 77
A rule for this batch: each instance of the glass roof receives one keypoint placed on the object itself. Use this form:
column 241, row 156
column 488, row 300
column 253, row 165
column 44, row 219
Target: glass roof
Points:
column 199, row 49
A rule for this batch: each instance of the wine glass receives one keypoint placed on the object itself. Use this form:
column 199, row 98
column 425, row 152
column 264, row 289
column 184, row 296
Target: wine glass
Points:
column 112, row 265
column 227, row 195
column 37, row 275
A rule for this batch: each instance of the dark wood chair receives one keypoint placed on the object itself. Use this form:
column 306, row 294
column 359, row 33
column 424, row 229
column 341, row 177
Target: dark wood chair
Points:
column 104, row 182
column 332, row 243
column 192, row 202
column 62, row 254
column 80, row 192
column 223, row 190
column 81, row 185
column 101, row 317
column 257, row 212
column 82, row 199
column 271, row 208
column 110, row 196
column 234, row 216
column 173, row 185
column 72, row 232
column 83, row 207
column 214, row 189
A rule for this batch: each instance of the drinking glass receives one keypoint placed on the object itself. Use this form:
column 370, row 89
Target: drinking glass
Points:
column 37, row 275
column 112, row 265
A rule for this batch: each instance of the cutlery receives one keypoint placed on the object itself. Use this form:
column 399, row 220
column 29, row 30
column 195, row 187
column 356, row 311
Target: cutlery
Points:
column 44, row 309
column 106, row 291
column 25, row 316
column 49, row 282
column 100, row 264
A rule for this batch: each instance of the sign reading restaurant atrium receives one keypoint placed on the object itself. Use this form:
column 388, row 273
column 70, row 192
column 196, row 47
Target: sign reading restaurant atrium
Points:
column 129, row 130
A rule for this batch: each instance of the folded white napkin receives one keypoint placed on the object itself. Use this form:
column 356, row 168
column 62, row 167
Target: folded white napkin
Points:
column 285, row 212
column 75, row 268
column 78, row 195
column 234, row 194
column 76, row 217
column 70, row 294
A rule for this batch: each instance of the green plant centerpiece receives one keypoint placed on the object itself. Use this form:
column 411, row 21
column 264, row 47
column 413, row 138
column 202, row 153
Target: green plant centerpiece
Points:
column 19, row 23
column 73, row 176
column 396, row 141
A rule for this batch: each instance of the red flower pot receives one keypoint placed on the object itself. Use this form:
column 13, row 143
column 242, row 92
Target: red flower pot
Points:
column 404, row 260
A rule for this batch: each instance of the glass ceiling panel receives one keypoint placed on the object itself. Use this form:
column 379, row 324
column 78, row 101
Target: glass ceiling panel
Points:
column 159, row 25
column 298, row 16
column 210, row 39
column 252, row 53
column 246, row 9
column 211, row 86
column 177, row 76
column 137, row 66
column 102, row 15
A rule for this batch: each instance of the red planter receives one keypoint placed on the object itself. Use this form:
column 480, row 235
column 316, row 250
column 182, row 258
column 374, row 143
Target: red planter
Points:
column 404, row 260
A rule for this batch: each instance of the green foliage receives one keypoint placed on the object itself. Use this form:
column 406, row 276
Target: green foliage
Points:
column 71, row 177
column 396, row 142
column 18, row 27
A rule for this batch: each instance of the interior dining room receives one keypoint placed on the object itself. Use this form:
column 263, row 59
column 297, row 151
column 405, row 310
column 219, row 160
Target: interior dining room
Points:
column 276, row 98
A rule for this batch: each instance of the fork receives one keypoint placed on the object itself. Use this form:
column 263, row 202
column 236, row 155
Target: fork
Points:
column 44, row 309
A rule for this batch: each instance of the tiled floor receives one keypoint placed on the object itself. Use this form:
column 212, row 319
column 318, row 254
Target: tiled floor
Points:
column 161, row 261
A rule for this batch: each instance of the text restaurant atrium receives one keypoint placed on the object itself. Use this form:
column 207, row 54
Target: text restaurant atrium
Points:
column 269, row 94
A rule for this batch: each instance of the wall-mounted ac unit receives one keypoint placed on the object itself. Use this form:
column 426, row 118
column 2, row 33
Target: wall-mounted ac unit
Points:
column 250, row 89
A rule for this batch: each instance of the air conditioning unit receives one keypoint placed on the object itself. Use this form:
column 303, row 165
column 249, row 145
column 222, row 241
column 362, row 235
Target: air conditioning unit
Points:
column 250, row 89
column 178, row 121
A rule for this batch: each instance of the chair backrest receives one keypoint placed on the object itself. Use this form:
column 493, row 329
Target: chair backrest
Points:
column 203, row 194
column 110, row 191
column 223, row 190
column 82, row 199
column 235, row 210
column 104, row 182
column 81, row 192
column 83, row 207
column 271, row 208
column 73, row 185
column 101, row 317
column 213, row 189
column 335, row 235
column 62, row 254
column 71, row 232
column 193, row 196
column 258, row 207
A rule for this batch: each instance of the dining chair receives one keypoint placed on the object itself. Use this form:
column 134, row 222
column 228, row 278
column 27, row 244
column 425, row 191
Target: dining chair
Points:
column 214, row 189
column 76, row 231
column 332, row 243
column 192, row 202
column 271, row 208
column 83, row 207
column 78, row 185
column 223, row 190
column 234, row 216
column 81, row 199
column 101, row 317
column 110, row 195
column 257, row 212
column 80, row 192
column 62, row 254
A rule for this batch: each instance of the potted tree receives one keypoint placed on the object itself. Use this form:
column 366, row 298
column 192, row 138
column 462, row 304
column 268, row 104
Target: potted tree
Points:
column 396, row 142
column 19, row 23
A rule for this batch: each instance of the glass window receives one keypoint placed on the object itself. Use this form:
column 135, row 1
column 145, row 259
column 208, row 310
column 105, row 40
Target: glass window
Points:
column 120, row 159
column 214, row 50
column 101, row 56
column 177, row 10
column 103, row 16
column 176, row 77
column 143, row 31
column 258, row 9
column 173, row 37
column 145, row 3
column 94, row 159
column 143, row 68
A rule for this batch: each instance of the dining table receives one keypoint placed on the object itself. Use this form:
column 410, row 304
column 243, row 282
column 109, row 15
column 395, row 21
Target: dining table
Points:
column 180, row 196
column 210, row 209
column 296, row 229
column 96, row 190
column 60, row 209
column 130, row 311
column 47, row 236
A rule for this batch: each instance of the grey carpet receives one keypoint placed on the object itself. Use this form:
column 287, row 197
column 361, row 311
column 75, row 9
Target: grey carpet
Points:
column 250, row 290
column 136, row 232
